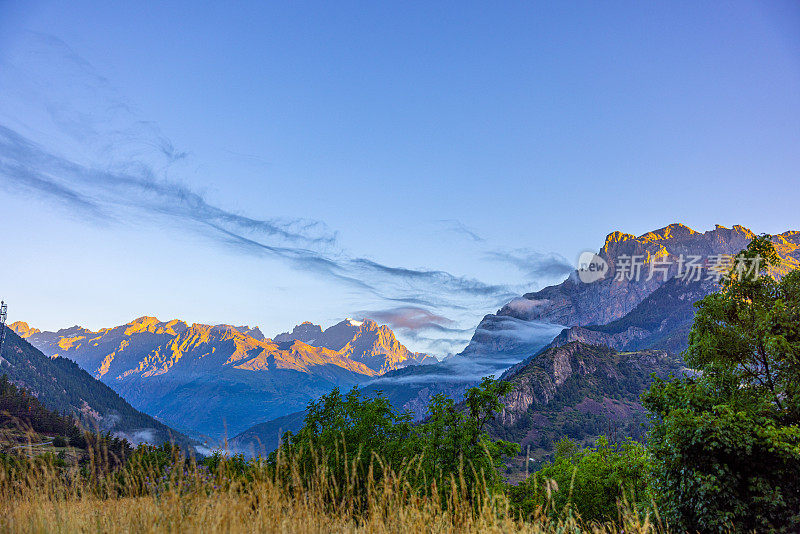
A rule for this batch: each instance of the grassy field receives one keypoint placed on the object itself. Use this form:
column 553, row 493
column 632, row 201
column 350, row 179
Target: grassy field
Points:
column 262, row 510
column 36, row 495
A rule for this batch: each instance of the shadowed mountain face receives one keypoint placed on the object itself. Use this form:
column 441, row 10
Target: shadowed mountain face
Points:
column 61, row 385
column 364, row 341
column 305, row 332
column 580, row 391
column 221, row 379
column 661, row 321
column 575, row 303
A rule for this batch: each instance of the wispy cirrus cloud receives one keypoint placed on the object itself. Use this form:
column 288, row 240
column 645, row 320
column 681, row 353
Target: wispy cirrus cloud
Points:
column 105, row 164
column 410, row 318
column 458, row 227
column 135, row 178
column 28, row 167
column 533, row 264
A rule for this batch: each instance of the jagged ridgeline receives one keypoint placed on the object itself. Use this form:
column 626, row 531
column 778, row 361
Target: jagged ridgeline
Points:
column 60, row 385
column 218, row 380
column 574, row 303
column 626, row 314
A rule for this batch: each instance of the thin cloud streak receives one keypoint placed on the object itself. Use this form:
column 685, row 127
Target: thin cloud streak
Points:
column 533, row 264
column 458, row 227
column 410, row 318
column 97, row 192
column 28, row 165
column 109, row 165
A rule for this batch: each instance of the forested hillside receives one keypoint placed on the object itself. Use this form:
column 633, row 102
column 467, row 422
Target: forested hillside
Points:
column 60, row 385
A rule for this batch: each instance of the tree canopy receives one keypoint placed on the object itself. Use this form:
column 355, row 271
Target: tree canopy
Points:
column 725, row 439
column 361, row 440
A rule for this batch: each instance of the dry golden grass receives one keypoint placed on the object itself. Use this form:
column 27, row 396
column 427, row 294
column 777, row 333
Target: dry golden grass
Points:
column 190, row 499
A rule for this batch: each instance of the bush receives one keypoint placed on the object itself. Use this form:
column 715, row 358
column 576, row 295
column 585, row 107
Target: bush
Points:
column 593, row 483
column 59, row 441
column 720, row 467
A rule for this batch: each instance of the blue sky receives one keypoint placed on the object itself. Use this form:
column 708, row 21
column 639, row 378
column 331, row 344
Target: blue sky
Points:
column 269, row 164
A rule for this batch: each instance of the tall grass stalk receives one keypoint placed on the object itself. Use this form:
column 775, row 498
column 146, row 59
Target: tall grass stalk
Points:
column 37, row 495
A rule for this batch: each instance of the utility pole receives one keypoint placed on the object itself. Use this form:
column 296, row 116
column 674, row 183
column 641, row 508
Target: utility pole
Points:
column 527, row 460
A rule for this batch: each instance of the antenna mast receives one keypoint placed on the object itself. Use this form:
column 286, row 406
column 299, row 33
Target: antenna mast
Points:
column 3, row 314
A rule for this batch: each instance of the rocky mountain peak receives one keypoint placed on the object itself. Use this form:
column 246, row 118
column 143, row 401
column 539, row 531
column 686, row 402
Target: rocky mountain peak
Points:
column 616, row 237
column 575, row 303
column 306, row 332
column 673, row 231
column 338, row 335
column 72, row 331
column 23, row 329
column 154, row 326
column 254, row 332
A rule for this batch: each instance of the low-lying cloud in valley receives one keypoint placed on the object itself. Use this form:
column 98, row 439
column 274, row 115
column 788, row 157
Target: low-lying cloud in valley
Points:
column 138, row 437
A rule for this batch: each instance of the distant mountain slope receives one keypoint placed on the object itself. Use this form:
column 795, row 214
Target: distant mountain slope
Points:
column 305, row 332
column 61, row 385
column 661, row 321
column 574, row 303
column 580, row 391
column 618, row 313
column 263, row 438
column 625, row 315
column 408, row 388
column 219, row 380
column 20, row 410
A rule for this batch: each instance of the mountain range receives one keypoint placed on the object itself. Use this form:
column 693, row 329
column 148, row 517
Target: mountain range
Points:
column 574, row 303
column 641, row 325
column 211, row 380
column 228, row 380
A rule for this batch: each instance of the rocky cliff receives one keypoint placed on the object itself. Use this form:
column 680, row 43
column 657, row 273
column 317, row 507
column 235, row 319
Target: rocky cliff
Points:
column 580, row 391
column 575, row 303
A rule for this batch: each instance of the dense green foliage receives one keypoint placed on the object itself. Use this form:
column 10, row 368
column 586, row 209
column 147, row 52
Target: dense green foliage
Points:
column 353, row 438
column 726, row 442
column 593, row 483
